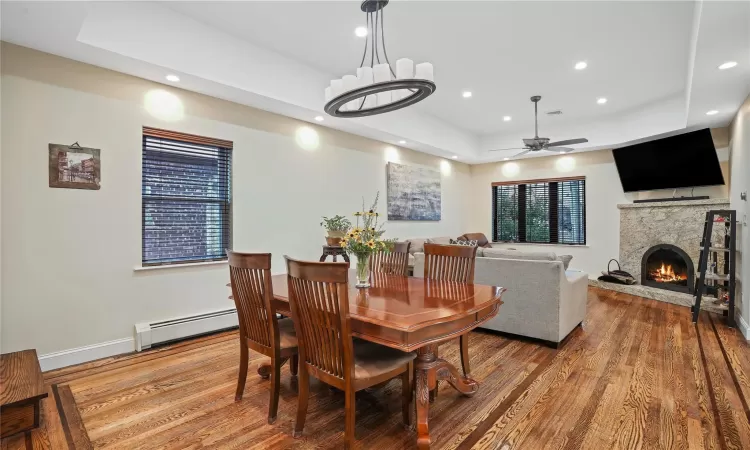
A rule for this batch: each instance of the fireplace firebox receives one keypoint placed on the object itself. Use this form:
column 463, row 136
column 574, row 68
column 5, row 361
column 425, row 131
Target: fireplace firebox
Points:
column 668, row 267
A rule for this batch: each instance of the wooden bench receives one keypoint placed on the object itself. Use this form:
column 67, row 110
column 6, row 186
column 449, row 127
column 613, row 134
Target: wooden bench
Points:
column 21, row 392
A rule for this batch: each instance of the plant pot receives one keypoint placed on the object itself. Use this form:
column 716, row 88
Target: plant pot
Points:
column 334, row 238
column 333, row 241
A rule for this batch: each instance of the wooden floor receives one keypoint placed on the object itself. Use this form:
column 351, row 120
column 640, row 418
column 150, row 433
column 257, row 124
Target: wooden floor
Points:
column 637, row 375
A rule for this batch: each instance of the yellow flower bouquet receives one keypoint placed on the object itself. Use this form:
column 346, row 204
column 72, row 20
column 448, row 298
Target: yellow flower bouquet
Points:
column 365, row 239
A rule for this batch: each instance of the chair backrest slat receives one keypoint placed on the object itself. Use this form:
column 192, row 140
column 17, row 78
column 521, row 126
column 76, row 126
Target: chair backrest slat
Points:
column 394, row 262
column 449, row 262
column 250, row 275
column 319, row 297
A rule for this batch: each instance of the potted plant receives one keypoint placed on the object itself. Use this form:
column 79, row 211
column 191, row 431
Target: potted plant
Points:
column 363, row 241
column 337, row 227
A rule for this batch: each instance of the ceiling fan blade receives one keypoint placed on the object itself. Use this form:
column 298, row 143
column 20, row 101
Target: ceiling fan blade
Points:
column 568, row 142
column 560, row 149
column 511, row 148
column 522, row 153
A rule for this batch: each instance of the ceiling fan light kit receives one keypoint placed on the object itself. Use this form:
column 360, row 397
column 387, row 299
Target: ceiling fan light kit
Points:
column 537, row 143
column 376, row 88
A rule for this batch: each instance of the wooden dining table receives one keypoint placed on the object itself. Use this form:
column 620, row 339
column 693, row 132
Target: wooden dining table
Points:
column 415, row 314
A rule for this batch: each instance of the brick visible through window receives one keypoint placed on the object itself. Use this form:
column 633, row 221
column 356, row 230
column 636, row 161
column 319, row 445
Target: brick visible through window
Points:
column 186, row 198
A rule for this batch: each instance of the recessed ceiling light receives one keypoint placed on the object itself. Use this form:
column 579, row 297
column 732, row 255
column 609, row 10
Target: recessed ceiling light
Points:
column 712, row 112
column 466, row 94
column 728, row 65
column 455, row 157
column 601, row 100
column 402, row 142
column 580, row 65
column 173, row 78
column 562, row 152
column 505, row 159
column 506, row 118
column 319, row 118
column 360, row 31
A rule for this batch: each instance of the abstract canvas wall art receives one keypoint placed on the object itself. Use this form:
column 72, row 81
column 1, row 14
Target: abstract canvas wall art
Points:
column 413, row 193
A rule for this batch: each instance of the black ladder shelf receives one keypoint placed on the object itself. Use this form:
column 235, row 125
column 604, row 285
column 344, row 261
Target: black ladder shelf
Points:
column 729, row 250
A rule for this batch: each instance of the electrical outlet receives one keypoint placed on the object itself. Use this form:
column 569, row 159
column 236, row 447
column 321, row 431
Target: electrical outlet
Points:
column 743, row 195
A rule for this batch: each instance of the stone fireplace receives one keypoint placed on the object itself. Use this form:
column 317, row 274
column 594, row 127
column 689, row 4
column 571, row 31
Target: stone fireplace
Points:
column 663, row 233
column 667, row 266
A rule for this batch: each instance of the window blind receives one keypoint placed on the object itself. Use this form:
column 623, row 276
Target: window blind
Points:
column 540, row 211
column 506, row 213
column 571, row 212
column 186, row 198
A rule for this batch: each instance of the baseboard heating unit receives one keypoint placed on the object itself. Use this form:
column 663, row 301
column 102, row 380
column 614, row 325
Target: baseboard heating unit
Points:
column 153, row 333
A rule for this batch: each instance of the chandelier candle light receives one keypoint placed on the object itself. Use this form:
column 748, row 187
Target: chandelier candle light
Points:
column 376, row 88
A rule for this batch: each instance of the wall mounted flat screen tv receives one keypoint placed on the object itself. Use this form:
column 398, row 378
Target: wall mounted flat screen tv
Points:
column 682, row 161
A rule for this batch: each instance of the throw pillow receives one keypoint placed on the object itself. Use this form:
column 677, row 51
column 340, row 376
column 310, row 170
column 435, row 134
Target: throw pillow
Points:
column 442, row 240
column 467, row 243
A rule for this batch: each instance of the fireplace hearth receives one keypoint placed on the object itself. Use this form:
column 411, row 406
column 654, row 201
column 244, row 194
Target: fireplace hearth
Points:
column 667, row 266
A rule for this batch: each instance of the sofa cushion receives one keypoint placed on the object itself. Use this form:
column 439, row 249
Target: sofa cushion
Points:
column 442, row 240
column 479, row 237
column 417, row 245
column 565, row 260
column 515, row 254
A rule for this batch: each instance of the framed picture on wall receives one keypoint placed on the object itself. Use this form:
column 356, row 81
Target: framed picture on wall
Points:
column 413, row 193
column 74, row 167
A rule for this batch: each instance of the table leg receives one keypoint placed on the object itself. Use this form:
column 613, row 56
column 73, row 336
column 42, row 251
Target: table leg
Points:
column 429, row 370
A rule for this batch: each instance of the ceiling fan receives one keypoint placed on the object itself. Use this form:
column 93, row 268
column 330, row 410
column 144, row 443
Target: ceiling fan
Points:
column 536, row 143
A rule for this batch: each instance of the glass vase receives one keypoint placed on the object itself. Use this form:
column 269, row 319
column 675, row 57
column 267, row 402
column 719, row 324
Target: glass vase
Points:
column 363, row 270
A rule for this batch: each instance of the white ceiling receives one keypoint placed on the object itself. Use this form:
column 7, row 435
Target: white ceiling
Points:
column 655, row 62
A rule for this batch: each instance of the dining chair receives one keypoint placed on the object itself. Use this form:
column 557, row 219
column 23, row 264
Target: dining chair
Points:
column 452, row 263
column 319, row 299
column 394, row 262
column 260, row 329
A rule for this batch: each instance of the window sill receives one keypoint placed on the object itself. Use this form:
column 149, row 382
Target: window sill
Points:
column 179, row 266
column 542, row 244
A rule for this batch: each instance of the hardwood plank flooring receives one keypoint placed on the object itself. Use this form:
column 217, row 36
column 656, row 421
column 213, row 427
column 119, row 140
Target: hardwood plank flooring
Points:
column 637, row 375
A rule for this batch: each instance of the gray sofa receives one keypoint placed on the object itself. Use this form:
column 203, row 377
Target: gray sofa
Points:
column 543, row 301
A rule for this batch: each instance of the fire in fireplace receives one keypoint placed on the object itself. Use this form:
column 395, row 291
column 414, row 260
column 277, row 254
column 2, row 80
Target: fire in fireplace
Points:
column 665, row 274
column 667, row 267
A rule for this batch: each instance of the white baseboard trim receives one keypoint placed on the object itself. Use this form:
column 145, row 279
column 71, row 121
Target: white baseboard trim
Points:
column 79, row 355
column 743, row 326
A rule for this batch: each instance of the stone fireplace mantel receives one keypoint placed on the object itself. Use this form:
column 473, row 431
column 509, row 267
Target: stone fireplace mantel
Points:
column 679, row 223
column 644, row 225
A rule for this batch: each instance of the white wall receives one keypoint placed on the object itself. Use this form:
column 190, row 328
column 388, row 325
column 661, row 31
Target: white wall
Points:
column 68, row 255
column 740, row 170
column 603, row 193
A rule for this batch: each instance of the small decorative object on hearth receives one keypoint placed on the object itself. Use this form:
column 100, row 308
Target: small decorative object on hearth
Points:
column 616, row 276
column 362, row 241
column 74, row 167
column 337, row 227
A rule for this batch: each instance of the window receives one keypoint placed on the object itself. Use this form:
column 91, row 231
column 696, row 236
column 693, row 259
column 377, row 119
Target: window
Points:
column 540, row 211
column 186, row 198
